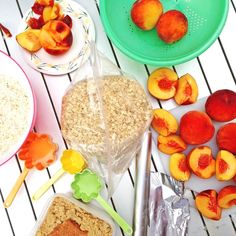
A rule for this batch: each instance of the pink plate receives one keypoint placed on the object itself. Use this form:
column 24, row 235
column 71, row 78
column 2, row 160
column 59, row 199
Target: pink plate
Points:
column 11, row 68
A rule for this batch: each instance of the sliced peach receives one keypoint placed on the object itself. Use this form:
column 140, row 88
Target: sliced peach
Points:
column 196, row 127
column 221, row 105
column 172, row 26
column 206, row 203
column 67, row 20
column 225, row 165
column 29, row 40
column 47, row 13
column 187, row 90
column 201, row 162
column 170, row 144
column 56, row 11
column 226, row 138
column 45, row 2
column 145, row 13
column 178, row 167
column 227, row 196
column 164, row 122
column 35, row 23
column 56, row 37
column 162, row 83
column 37, row 8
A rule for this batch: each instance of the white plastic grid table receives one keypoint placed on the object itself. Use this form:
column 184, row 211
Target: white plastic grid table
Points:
column 215, row 69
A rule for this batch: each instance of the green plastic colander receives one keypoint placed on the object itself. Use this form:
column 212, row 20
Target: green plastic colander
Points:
column 206, row 19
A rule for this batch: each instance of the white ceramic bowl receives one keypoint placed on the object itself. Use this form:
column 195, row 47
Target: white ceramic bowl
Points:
column 11, row 68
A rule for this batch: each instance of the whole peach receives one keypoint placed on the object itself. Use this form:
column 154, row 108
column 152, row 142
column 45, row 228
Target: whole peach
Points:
column 145, row 13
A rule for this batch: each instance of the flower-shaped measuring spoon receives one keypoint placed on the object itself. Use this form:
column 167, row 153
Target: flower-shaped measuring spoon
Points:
column 72, row 163
column 38, row 151
column 86, row 186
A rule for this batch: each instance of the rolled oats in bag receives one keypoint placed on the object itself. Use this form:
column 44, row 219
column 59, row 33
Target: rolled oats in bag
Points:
column 105, row 112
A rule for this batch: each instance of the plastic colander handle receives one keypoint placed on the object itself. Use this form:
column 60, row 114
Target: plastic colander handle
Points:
column 119, row 220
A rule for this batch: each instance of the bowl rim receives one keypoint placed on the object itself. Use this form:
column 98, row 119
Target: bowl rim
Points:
column 161, row 62
column 33, row 112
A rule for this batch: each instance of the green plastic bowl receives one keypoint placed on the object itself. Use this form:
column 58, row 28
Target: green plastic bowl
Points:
column 206, row 20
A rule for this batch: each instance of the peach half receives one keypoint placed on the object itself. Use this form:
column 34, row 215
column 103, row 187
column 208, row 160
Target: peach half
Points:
column 178, row 167
column 145, row 13
column 226, row 138
column 201, row 162
column 196, row 127
column 56, row 37
column 172, row 26
column 187, row 90
column 227, row 196
column 206, row 203
column 170, row 144
column 221, row 105
column 162, row 83
column 164, row 122
column 225, row 165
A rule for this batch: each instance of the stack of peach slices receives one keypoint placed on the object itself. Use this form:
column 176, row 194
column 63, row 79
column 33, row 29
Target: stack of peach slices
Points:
column 196, row 128
column 171, row 26
column 49, row 29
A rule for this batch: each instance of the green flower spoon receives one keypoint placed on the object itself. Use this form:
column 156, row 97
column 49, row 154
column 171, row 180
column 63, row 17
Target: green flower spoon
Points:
column 86, row 186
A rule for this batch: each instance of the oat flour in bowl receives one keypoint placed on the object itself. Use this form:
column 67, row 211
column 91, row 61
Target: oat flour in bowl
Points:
column 14, row 113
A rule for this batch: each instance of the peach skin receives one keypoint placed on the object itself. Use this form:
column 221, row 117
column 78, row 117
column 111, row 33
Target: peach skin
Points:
column 170, row 144
column 162, row 83
column 227, row 197
column 172, row 26
column 164, row 122
column 221, row 105
column 206, row 203
column 145, row 13
column 201, row 162
column 226, row 138
column 196, row 127
column 187, row 90
column 178, row 167
column 225, row 165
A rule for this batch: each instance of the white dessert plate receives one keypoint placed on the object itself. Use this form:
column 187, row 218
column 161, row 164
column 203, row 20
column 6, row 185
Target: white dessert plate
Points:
column 83, row 31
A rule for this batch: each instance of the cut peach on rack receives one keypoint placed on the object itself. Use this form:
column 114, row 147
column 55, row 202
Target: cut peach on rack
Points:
column 221, row 105
column 178, row 167
column 196, row 127
column 162, row 83
column 187, row 90
column 225, row 165
column 201, row 162
column 45, row 2
column 206, row 203
column 145, row 13
column 226, row 138
column 227, row 196
column 170, row 144
column 56, row 37
column 29, row 40
column 172, row 26
column 164, row 122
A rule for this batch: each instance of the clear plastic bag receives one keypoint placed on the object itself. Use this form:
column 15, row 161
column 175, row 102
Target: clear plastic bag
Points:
column 105, row 112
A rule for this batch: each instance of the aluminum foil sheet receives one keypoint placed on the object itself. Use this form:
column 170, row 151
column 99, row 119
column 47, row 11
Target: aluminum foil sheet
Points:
column 169, row 211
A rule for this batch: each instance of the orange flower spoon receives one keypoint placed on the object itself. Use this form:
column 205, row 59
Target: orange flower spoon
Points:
column 38, row 151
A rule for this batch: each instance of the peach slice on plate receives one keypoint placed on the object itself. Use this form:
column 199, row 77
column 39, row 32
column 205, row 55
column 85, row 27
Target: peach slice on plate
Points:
column 227, row 197
column 56, row 37
column 172, row 26
column 196, row 127
column 164, row 122
column 221, row 105
column 201, row 162
column 178, row 167
column 51, row 13
column 206, row 203
column 226, row 138
column 45, row 2
column 29, row 40
column 187, row 90
column 162, row 83
column 145, row 13
column 170, row 144
column 225, row 165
